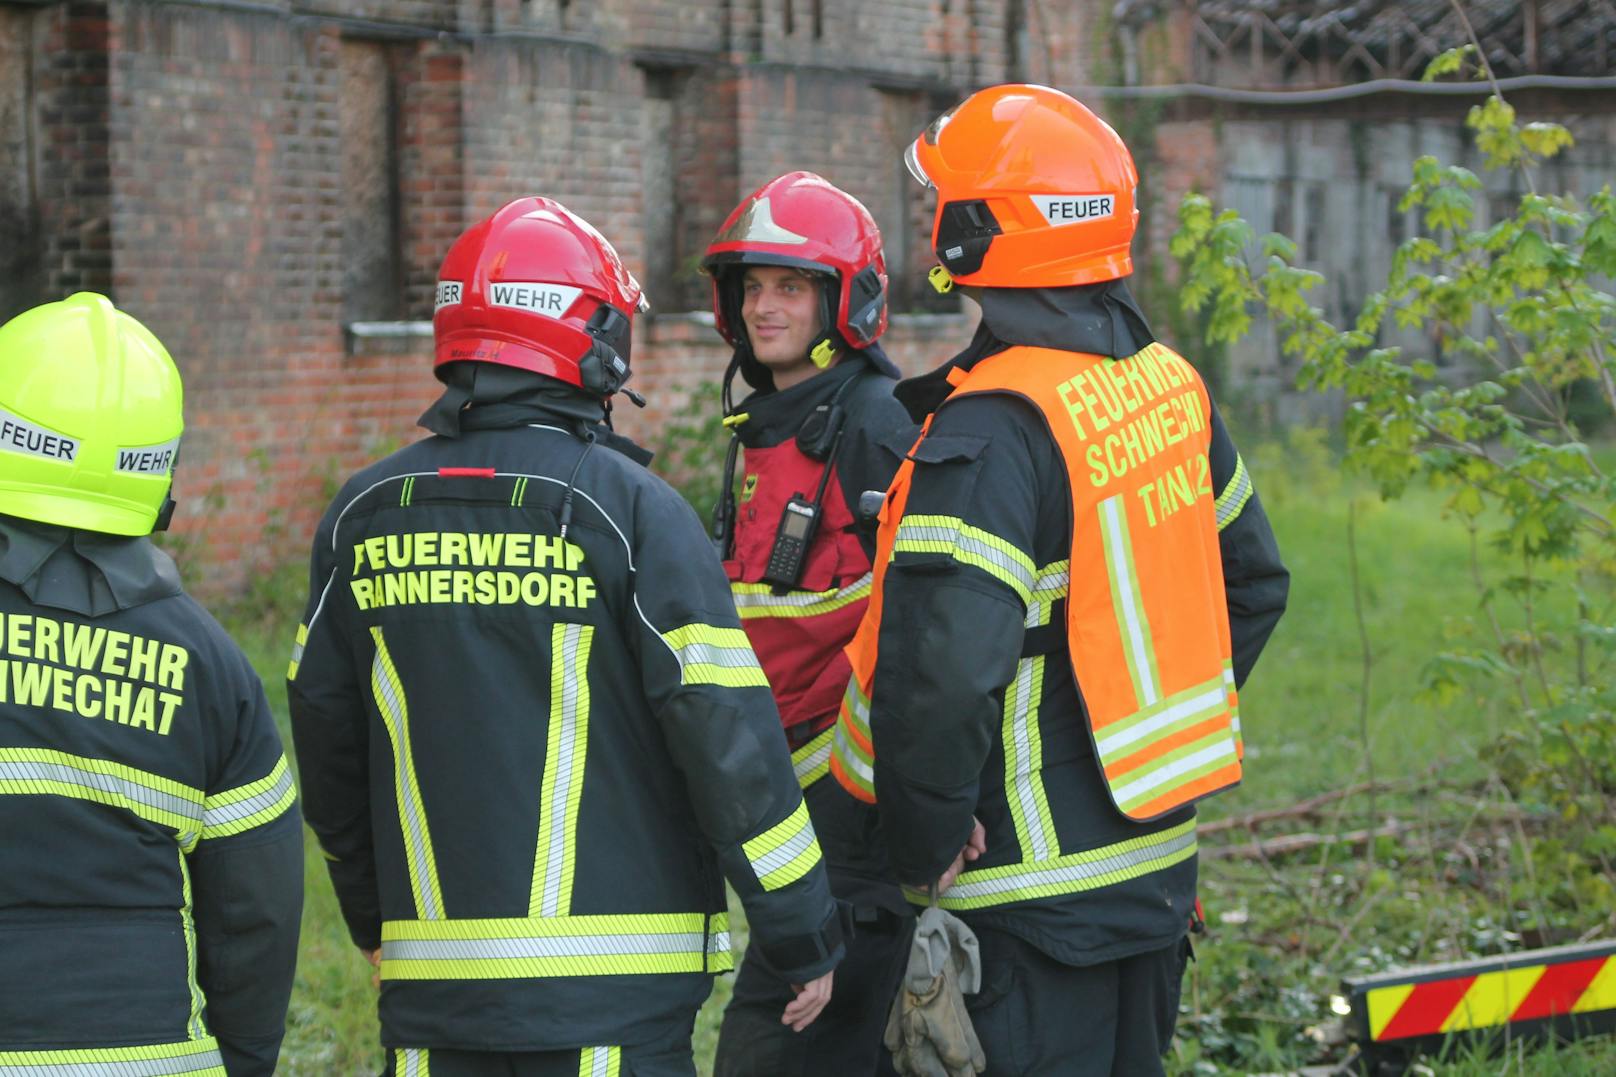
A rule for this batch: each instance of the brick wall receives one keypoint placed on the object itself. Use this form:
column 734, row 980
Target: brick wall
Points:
column 62, row 54
column 558, row 119
column 251, row 181
column 227, row 234
column 21, row 262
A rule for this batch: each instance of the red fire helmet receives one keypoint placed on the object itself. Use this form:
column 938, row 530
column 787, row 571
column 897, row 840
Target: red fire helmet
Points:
column 802, row 220
column 536, row 287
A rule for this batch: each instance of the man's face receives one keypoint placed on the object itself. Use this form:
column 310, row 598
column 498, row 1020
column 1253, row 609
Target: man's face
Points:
column 780, row 307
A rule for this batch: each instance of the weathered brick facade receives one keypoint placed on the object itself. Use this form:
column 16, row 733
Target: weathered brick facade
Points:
column 270, row 187
column 271, row 184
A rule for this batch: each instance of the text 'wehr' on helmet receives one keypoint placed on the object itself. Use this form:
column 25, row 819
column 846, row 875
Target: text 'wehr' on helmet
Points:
column 536, row 287
column 803, row 221
column 91, row 413
column 1033, row 191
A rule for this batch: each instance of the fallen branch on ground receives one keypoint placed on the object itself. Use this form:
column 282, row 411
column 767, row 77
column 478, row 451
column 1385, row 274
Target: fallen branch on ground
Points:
column 1288, row 844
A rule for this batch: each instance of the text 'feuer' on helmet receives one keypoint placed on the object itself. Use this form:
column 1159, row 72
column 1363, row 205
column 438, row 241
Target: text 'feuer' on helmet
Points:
column 1033, row 190
column 90, row 418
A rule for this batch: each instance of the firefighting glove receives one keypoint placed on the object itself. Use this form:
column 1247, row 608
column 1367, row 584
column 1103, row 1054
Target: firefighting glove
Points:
column 928, row 1032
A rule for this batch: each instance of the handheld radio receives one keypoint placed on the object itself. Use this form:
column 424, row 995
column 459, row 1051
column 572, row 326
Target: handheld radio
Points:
column 798, row 525
column 799, row 521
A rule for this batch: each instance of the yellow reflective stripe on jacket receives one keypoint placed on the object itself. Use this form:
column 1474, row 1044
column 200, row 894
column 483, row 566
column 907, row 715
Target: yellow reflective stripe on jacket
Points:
column 423, row 863
column 811, row 762
column 1162, row 719
column 250, row 805
column 1048, row 587
column 851, row 756
column 708, row 654
column 194, row 1058
column 193, row 1023
column 42, row 771
column 1023, row 736
column 563, row 783
column 1234, row 705
column 412, row 1062
column 620, row 945
column 1138, row 646
column 856, row 709
column 1070, row 874
column 1130, row 750
column 1233, row 499
column 600, row 1062
column 1216, row 749
column 786, row 851
column 298, row 643
column 969, row 546
column 754, row 600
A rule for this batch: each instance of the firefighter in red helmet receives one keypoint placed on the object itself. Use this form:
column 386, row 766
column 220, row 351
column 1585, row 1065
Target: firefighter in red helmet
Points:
column 799, row 291
column 535, row 738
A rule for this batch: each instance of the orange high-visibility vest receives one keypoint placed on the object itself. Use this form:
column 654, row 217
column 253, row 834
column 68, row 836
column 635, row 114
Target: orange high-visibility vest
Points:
column 1146, row 618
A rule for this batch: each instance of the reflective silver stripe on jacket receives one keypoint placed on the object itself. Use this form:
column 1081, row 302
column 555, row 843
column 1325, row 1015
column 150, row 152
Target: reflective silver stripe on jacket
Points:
column 98, row 782
column 229, row 813
column 198, row 1057
column 691, row 942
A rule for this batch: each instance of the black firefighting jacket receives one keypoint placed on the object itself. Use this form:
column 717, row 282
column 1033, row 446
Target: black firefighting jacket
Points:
column 876, row 432
column 151, row 876
column 1065, row 870
column 534, row 742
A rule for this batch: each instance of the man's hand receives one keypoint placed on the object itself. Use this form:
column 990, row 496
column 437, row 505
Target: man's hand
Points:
column 975, row 846
column 811, row 999
column 375, row 959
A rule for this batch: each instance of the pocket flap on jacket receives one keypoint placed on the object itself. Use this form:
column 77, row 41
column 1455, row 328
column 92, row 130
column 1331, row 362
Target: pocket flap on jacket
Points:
column 948, row 449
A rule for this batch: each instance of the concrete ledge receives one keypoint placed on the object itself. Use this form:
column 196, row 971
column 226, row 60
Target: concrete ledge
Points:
column 689, row 326
column 387, row 338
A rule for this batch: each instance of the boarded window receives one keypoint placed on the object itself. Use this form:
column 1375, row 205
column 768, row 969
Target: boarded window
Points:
column 21, row 263
column 373, row 263
column 659, row 196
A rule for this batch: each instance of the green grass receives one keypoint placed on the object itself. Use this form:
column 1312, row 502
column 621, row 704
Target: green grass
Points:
column 1300, row 707
column 1282, row 938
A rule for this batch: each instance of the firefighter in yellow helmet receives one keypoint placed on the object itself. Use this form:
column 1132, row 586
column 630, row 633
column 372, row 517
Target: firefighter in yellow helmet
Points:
column 1074, row 576
column 153, row 880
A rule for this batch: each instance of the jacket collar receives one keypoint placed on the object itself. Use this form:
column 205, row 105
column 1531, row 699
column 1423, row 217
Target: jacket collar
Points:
column 774, row 415
column 83, row 572
column 1096, row 319
column 487, row 396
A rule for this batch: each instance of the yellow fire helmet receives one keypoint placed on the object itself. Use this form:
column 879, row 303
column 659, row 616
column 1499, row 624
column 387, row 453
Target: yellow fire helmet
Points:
column 90, row 417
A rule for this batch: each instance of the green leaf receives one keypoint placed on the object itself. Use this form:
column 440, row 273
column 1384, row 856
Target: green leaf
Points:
column 1450, row 62
column 1599, row 244
column 1545, row 139
column 1275, row 245
column 1448, row 207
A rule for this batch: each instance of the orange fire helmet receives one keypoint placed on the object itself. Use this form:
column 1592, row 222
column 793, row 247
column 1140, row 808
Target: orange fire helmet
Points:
column 1033, row 190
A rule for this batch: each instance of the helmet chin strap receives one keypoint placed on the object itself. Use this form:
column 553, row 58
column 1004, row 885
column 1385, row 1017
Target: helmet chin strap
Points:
column 165, row 515
column 830, row 341
column 823, row 352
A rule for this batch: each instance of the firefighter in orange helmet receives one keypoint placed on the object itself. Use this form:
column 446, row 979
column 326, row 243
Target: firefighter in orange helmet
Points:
column 1073, row 578
column 800, row 292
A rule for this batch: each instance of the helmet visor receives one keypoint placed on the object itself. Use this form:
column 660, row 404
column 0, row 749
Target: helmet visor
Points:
column 911, row 161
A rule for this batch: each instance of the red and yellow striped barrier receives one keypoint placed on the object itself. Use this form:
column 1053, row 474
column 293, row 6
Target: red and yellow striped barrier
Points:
column 1571, row 989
